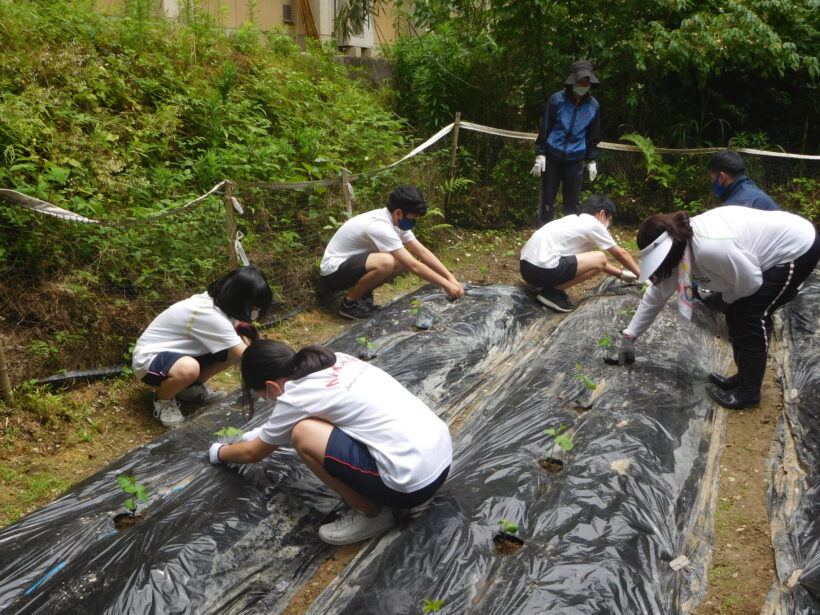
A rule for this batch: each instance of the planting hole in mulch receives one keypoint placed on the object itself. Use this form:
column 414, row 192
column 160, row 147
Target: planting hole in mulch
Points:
column 125, row 520
column 551, row 464
column 507, row 544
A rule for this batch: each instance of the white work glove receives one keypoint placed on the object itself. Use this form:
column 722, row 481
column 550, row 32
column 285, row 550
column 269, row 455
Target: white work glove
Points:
column 253, row 434
column 539, row 167
column 592, row 169
column 213, row 453
column 628, row 276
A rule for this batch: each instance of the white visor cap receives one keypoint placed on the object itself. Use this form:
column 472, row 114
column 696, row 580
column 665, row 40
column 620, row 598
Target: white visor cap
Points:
column 652, row 255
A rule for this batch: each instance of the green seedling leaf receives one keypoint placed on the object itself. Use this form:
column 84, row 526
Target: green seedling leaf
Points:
column 561, row 439
column 432, row 605
column 130, row 485
column 508, row 526
column 229, row 431
column 605, row 342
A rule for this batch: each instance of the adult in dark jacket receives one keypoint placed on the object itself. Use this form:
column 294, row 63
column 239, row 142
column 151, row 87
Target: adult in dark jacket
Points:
column 568, row 139
column 732, row 186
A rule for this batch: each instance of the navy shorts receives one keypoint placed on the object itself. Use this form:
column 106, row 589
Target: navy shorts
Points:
column 164, row 361
column 348, row 273
column 564, row 271
column 351, row 462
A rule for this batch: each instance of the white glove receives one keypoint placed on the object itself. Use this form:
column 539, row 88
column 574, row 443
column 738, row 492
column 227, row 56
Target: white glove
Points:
column 592, row 169
column 628, row 276
column 213, row 453
column 253, row 434
column 539, row 167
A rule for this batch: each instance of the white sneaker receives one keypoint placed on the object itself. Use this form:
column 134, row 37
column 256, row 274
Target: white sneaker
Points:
column 166, row 411
column 353, row 526
column 200, row 393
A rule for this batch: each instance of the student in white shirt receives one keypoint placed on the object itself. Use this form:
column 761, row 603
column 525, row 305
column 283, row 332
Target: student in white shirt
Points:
column 197, row 338
column 357, row 429
column 561, row 253
column 756, row 259
column 372, row 248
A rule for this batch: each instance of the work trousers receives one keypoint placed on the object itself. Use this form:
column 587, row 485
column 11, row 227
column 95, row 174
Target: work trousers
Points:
column 750, row 318
column 569, row 175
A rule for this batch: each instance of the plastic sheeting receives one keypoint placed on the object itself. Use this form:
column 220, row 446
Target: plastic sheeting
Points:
column 794, row 492
column 604, row 535
column 238, row 540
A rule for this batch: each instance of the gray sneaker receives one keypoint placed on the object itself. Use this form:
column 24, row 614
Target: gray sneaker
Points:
column 355, row 310
column 200, row 393
column 353, row 526
column 166, row 411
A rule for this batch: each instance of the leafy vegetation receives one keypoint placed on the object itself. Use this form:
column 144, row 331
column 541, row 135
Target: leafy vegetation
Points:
column 136, row 490
column 561, row 439
column 508, row 527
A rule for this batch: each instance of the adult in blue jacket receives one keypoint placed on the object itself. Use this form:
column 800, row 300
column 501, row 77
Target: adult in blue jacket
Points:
column 568, row 139
column 732, row 186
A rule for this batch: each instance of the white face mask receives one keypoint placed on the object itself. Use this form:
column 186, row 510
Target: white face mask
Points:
column 580, row 90
column 254, row 314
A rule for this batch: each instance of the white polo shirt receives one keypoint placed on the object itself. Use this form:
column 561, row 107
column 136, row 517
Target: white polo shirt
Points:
column 410, row 444
column 565, row 236
column 731, row 248
column 193, row 327
column 372, row 231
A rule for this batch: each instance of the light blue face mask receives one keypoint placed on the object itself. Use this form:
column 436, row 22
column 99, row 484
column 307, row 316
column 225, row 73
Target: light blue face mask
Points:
column 406, row 224
column 719, row 190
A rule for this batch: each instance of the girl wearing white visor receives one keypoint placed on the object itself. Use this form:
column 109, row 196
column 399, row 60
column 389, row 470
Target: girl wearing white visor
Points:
column 756, row 259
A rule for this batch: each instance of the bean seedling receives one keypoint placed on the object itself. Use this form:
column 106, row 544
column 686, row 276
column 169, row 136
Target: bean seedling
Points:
column 605, row 341
column 229, row 432
column 432, row 605
column 130, row 485
column 416, row 307
column 561, row 439
column 508, row 527
column 579, row 375
column 363, row 341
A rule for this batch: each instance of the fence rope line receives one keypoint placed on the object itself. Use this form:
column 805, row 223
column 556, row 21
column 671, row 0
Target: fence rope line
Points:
column 50, row 209
column 44, row 207
column 531, row 136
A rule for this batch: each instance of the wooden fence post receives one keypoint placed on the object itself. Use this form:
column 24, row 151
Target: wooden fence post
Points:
column 453, row 152
column 231, row 225
column 5, row 385
column 345, row 194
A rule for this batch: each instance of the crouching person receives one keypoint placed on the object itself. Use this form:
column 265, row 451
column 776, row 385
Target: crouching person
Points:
column 197, row 338
column 356, row 428
column 374, row 247
column 560, row 254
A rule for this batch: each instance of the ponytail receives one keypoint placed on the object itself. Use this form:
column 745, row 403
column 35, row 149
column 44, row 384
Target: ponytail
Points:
column 677, row 226
column 267, row 360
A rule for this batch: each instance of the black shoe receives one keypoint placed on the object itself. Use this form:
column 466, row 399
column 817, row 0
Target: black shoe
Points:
column 555, row 299
column 735, row 399
column 724, row 382
column 355, row 310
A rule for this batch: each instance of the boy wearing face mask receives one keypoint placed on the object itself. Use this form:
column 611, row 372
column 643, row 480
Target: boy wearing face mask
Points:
column 374, row 247
column 568, row 140
column 727, row 172
column 560, row 254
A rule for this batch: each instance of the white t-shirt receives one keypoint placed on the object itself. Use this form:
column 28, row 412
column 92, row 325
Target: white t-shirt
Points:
column 372, row 231
column 193, row 327
column 565, row 236
column 410, row 444
column 731, row 248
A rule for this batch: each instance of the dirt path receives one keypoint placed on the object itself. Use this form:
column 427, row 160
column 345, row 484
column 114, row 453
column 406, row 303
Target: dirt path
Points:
column 742, row 567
